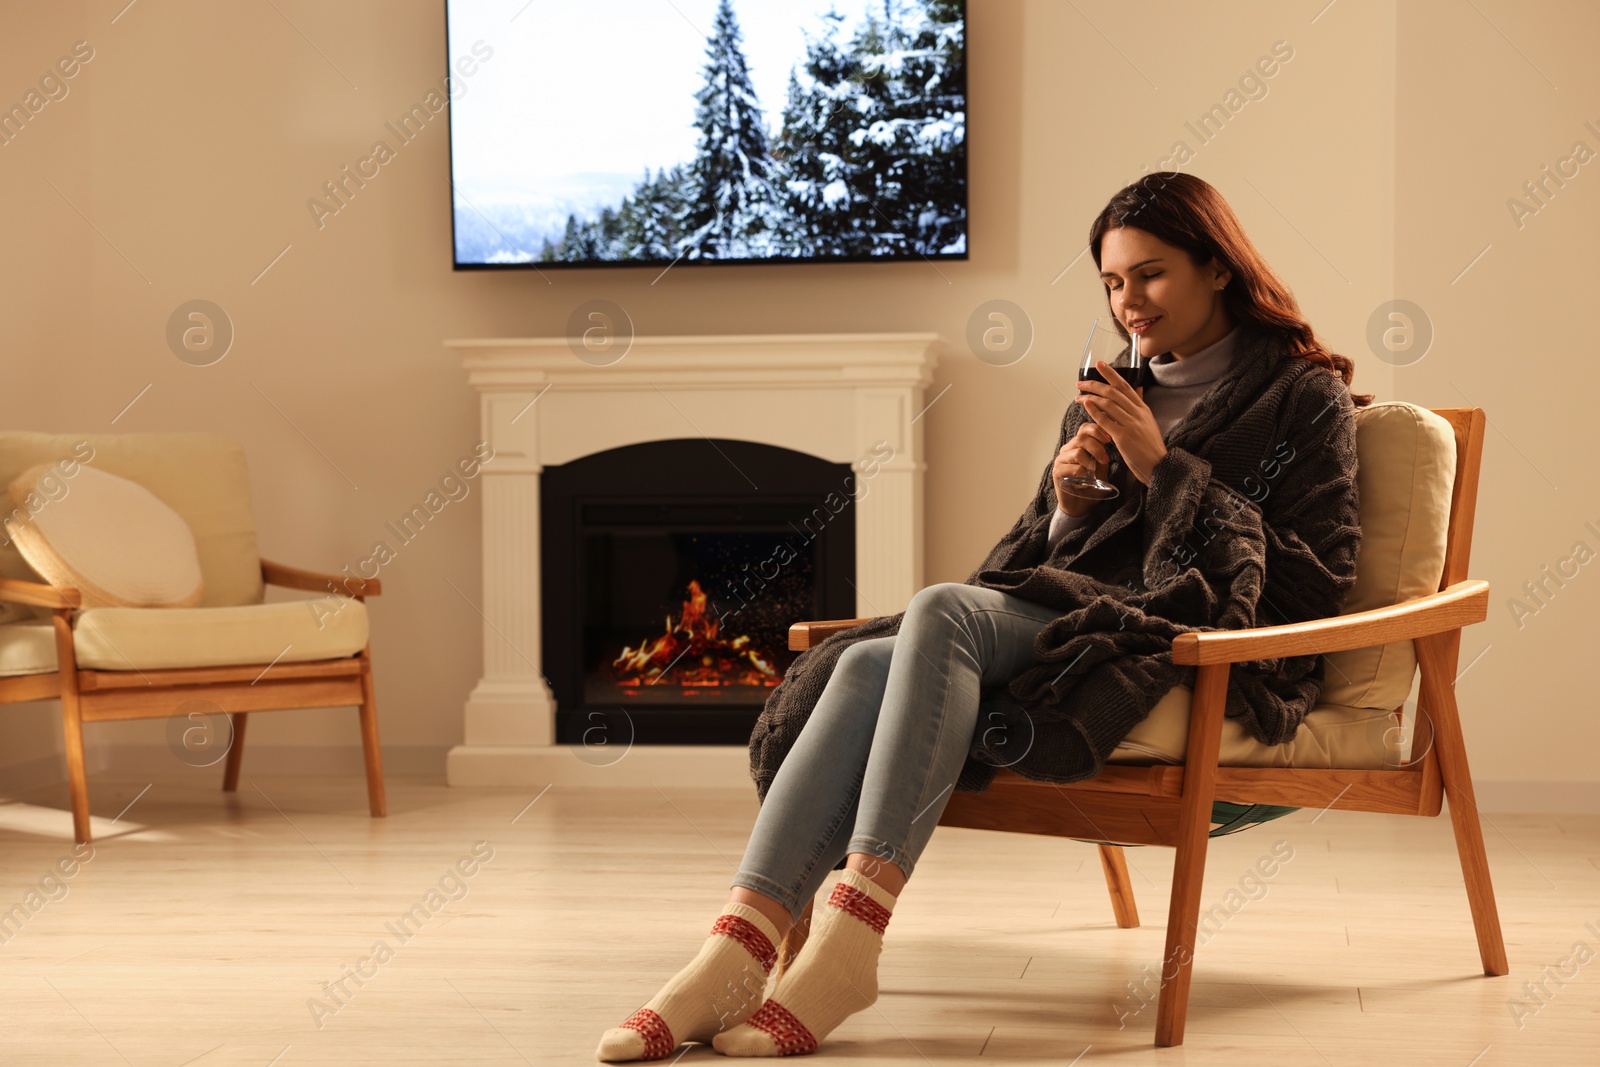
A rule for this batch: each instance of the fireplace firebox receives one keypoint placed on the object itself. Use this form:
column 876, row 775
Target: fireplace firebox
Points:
column 671, row 571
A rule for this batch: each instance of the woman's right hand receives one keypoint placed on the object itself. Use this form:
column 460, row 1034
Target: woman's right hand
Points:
column 1084, row 455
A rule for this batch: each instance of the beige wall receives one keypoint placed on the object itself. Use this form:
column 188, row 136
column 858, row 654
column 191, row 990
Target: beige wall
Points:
column 1374, row 167
column 1484, row 106
column 46, row 285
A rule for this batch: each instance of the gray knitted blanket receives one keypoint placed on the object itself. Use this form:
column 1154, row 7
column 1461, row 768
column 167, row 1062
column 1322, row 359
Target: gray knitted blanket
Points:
column 1250, row 520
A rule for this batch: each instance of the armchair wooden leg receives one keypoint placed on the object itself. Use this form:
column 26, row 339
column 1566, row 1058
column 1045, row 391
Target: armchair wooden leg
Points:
column 1436, row 656
column 376, row 800
column 72, row 725
column 230, row 770
column 1189, row 868
column 1115, row 864
column 77, row 770
column 795, row 939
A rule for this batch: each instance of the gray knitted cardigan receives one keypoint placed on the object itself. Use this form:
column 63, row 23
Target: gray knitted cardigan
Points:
column 1249, row 520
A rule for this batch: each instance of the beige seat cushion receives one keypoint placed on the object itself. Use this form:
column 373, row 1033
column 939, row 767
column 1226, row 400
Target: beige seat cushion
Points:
column 1406, row 457
column 109, row 538
column 1329, row 736
column 119, row 639
column 27, row 648
column 200, row 476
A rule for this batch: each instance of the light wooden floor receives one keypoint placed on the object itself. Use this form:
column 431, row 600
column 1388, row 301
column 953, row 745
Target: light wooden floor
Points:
column 204, row 926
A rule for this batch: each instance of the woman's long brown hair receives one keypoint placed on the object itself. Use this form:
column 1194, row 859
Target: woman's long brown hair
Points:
column 1189, row 213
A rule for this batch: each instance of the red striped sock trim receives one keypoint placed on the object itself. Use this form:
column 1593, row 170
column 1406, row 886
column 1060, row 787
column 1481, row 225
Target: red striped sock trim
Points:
column 848, row 898
column 780, row 1024
column 750, row 936
column 658, row 1040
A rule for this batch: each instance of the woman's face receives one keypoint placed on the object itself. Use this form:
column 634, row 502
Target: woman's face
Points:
column 1149, row 279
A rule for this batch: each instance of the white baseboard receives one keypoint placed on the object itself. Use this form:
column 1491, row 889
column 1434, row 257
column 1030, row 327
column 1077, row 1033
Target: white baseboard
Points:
column 28, row 775
column 708, row 766
column 1531, row 795
column 725, row 766
column 410, row 760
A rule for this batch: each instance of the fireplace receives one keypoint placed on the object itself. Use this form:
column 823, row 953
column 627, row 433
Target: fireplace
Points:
column 824, row 408
column 672, row 572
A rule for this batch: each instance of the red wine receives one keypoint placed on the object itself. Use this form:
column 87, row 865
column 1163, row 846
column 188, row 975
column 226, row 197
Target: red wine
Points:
column 1134, row 376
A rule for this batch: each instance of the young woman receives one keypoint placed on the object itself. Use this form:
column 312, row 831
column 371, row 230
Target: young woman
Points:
column 859, row 749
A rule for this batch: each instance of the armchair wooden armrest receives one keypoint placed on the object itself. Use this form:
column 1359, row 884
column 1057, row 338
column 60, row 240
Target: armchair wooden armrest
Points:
column 310, row 581
column 802, row 635
column 1462, row 604
column 38, row 594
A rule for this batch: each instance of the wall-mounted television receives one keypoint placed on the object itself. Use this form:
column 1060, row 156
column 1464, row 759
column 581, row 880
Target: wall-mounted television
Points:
column 606, row 133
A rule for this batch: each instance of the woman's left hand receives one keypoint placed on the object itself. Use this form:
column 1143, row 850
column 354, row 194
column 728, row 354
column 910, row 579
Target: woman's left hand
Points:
column 1120, row 408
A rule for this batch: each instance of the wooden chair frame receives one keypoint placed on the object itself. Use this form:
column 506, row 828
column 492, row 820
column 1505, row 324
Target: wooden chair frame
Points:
column 1171, row 805
column 89, row 696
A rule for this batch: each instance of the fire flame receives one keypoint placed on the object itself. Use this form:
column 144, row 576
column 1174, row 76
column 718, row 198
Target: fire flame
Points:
column 694, row 653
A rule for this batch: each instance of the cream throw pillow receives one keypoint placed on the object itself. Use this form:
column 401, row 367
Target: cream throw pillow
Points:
column 109, row 538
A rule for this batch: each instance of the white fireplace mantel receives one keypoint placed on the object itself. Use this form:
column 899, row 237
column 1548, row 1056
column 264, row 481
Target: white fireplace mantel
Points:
column 845, row 398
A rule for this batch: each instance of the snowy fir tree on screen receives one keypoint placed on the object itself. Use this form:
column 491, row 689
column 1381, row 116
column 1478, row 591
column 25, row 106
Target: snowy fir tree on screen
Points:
column 874, row 136
column 869, row 158
column 734, row 213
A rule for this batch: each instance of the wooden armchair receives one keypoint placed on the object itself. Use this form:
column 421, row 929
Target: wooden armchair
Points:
column 234, row 653
column 89, row 695
column 1172, row 805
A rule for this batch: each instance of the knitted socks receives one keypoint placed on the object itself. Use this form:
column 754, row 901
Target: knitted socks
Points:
column 718, row 989
column 835, row 975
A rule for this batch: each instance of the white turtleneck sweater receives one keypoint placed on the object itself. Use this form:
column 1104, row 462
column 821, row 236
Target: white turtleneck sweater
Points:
column 1176, row 385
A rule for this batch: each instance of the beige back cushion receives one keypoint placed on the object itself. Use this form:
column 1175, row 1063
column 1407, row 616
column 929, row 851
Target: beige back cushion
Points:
column 110, row 538
column 1406, row 460
column 200, row 476
column 1406, row 457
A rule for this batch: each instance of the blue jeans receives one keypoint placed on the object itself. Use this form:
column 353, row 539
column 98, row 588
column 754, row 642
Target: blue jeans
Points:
column 879, row 756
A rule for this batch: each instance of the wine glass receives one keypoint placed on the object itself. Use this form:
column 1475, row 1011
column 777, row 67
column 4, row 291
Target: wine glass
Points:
column 1106, row 341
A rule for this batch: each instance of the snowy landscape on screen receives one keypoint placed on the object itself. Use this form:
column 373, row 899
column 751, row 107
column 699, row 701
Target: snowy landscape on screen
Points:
column 647, row 132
